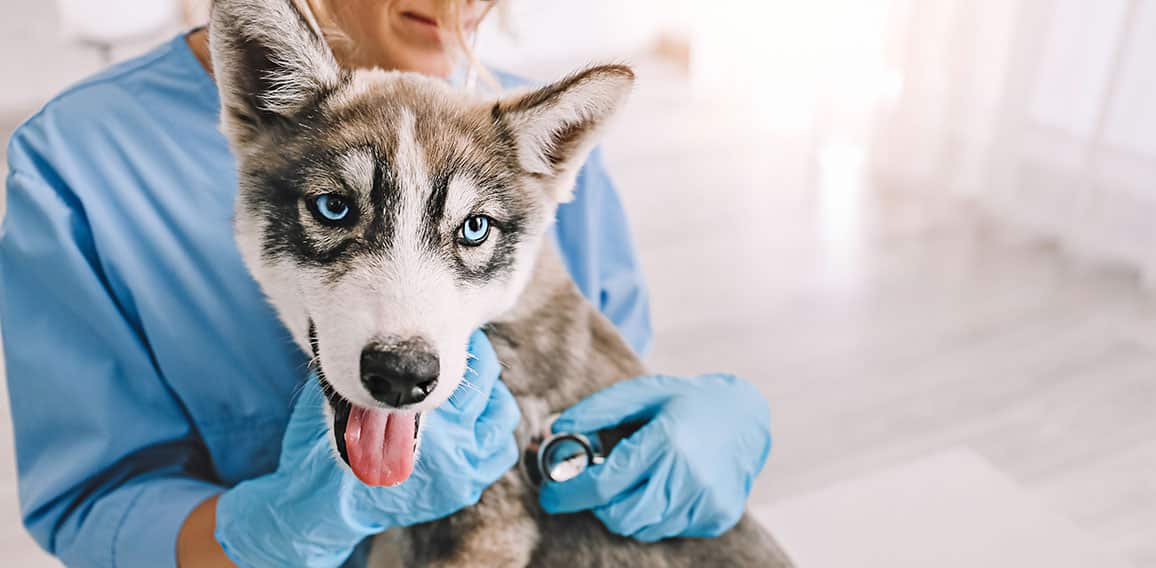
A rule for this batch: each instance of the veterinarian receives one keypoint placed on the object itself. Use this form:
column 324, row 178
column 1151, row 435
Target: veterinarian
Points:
column 153, row 388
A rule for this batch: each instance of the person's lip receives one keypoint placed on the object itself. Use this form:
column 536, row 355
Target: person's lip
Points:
column 420, row 18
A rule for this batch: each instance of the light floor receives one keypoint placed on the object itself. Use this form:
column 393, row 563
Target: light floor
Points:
column 883, row 323
column 892, row 326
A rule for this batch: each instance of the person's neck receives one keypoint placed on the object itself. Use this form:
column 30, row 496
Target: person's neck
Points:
column 198, row 41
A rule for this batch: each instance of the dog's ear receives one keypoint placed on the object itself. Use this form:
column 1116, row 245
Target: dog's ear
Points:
column 555, row 127
column 270, row 62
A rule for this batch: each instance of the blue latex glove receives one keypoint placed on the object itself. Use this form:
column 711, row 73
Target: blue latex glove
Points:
column 312, row 511
column 687, row 472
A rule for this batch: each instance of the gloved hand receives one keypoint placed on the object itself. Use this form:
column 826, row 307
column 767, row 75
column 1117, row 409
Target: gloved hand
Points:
column 686, row 472
column 312, row 511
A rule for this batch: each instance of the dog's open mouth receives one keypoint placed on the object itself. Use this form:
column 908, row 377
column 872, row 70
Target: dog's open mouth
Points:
column 379, row 445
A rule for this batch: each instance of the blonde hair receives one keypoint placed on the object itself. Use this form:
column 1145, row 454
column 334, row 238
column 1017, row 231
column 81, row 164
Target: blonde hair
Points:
column 450, row 12
column 448, row 15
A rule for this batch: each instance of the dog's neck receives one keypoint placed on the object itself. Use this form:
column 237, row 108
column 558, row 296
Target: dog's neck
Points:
column 549, row 281
column 554, row 345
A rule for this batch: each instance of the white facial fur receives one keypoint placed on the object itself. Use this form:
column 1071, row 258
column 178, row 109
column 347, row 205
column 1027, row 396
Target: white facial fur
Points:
column 405, row 292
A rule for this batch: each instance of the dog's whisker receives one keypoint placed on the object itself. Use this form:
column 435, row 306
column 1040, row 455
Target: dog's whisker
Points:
column 314, row 362
column 468, row 385
column 297, row 390
column 454, row 396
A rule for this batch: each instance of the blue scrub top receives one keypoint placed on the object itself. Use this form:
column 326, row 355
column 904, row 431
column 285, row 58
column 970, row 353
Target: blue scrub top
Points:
column 146, row 370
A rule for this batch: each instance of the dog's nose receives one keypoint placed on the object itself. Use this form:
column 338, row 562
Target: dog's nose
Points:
column 398, row 376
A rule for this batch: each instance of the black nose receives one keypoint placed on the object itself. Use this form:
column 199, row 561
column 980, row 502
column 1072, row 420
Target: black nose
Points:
column 400, row 374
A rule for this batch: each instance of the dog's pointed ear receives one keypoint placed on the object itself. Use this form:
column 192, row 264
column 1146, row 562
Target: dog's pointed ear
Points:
column 270, row 61
column 555, row 127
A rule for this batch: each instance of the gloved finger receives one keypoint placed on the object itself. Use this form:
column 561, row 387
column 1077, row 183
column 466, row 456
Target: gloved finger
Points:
column 660, row 531
column 679, row 512
column 500, row 417
column 310, row 401
column 503, row 458
column 627, row 401
column 497, row 450
column 711, row 527
column 641, row 511
column 482, row 371
column 307, row 422
column 630, row 463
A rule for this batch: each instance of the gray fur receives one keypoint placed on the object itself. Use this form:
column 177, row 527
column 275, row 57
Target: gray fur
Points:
column 555, row 350
column 414, row 157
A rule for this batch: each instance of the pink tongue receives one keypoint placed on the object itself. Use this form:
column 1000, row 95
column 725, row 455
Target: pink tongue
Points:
column 380, row 445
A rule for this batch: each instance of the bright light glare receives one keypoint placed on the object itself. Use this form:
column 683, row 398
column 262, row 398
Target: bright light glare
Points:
column 841, row 207
column 786, row 57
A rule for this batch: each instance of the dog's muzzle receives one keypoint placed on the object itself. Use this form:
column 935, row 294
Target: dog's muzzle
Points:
column 385, row 456
column 401, row 373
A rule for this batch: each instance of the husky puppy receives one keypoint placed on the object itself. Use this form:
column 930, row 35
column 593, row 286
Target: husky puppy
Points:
column 386, row 216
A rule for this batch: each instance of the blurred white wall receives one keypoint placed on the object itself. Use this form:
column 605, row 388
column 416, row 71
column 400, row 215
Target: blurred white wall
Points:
column 37, row 60
column 113, row 22
column 1040, row 111
column 50, row 45
column 548, row 38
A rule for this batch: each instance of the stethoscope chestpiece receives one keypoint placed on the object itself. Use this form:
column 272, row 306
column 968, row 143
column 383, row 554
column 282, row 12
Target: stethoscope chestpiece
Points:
column 560, row 457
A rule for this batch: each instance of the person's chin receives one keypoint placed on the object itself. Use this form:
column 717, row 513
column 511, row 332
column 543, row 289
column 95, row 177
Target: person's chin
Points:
column 434, row 64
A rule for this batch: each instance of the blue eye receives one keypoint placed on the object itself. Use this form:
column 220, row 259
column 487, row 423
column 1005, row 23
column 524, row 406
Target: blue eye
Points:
column 475, row 230
column 331, row 207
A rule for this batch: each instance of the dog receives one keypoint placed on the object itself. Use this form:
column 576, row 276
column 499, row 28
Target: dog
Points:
column 386, row 216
